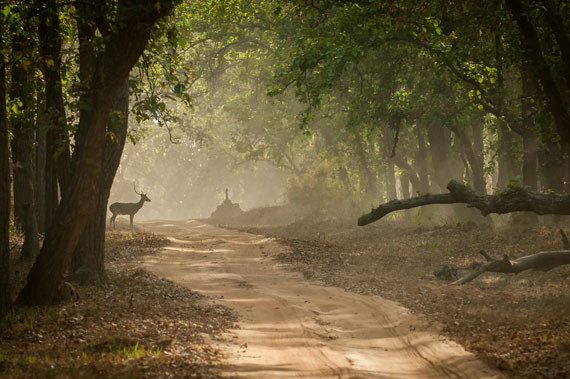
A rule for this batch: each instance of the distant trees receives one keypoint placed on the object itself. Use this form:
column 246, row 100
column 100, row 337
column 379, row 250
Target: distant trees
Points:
column 410, row 69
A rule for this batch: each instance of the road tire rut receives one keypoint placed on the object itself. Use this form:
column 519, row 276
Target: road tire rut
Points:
column 292, row 328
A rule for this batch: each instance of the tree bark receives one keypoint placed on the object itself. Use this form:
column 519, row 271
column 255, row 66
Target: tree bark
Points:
column 515, row 199
column 23, row 129
column 87, row 266
column 40, row 165
column 123, row 47
column 5, row 293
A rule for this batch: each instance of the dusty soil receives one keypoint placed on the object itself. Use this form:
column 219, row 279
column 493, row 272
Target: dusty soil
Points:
column 518, row 324
column 293, row 327
column 136, row 326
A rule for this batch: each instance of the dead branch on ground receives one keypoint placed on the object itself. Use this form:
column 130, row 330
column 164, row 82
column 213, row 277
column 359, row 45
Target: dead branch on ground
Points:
column 541, row 261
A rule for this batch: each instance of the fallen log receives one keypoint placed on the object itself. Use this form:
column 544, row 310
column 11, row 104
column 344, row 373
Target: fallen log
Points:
column 541, row 261
column 513, row 199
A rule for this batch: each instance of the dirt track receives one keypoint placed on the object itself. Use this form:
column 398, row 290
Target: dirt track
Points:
column 290, row 327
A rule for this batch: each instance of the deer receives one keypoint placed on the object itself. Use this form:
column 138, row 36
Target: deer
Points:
column 127, row 208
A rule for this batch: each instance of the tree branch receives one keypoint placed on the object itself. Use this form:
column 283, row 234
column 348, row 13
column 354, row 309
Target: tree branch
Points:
column 515, row 199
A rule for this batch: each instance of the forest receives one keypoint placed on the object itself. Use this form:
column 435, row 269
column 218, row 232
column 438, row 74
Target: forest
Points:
column 384, row 145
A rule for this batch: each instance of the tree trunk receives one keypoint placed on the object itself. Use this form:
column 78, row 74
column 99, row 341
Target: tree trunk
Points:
column 23, row 129
column 5, row 293
column 530, row 139
column 475, row 161
column 507, row 170
column 87, row 266
column 422, row 160
column 123, row 47
column 551, row 162
column 439, row 147
column 389, row 174
column 405, row 184
column 40, row 165
column 365, row 171
column 57, row 165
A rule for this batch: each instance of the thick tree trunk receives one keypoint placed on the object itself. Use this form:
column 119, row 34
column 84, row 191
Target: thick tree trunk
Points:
column 40, row 165
column 57, row 164
column 87, row 266
column 515, row 199
column 51, row 189
column 23, row 129
column 5, row 293
column 122, row 50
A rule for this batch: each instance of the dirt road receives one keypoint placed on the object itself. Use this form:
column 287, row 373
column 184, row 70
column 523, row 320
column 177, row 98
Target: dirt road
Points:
column 290, row 327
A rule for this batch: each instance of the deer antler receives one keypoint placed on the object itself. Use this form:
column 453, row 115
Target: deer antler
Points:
column 135, row 188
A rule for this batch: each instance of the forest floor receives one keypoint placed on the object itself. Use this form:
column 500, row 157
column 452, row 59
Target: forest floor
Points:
column 140, row 325
column 519, row 324
column 135, row 326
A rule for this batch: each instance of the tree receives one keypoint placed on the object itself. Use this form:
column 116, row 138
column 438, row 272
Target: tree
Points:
column 127, row 32
column 23, row 130
column 87, row 266
column 549, row 75
column 5, row 293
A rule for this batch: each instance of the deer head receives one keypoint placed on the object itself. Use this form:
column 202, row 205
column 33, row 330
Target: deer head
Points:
column 143, row 195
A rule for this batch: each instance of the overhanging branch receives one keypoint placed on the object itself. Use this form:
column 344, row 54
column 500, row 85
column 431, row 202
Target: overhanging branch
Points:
column 515, row 199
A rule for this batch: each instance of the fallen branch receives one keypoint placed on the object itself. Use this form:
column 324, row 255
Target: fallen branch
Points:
column 514, row 199
column 541, row 261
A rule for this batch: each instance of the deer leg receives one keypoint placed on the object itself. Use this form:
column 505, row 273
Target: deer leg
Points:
column 112, row 222
column 132, row 216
